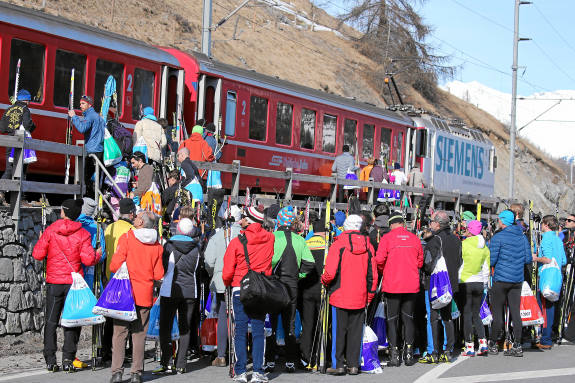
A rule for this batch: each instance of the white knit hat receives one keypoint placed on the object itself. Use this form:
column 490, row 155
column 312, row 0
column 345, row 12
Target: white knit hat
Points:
column 185, row 227
column 352, row 222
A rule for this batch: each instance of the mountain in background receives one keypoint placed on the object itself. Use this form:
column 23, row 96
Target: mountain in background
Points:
column 541, row 117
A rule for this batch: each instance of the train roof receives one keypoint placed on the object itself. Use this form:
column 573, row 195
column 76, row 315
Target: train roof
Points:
column 211, row 66
column 59, row 26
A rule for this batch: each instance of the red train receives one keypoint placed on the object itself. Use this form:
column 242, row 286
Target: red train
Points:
column 268, row 122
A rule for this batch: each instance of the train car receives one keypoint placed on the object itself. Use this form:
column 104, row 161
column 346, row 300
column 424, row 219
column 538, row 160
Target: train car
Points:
column 452, row 156
column 49, row 47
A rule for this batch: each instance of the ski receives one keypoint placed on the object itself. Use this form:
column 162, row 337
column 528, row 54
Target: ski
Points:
column 97, row 330
column 324, row 305
column 17, row 81
column 69, row 128
column 306, row 219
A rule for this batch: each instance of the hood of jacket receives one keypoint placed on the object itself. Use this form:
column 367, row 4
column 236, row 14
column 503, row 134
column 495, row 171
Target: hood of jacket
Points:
column 146, row 236
column 256, row 234
column 354, row 241
column 514, row 230
column 85, row 220
column 477, row 241
column 66, row 227
column 182, row 243
column 196, row 137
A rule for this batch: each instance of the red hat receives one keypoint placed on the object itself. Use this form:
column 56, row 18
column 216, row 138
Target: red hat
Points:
column 256, row 214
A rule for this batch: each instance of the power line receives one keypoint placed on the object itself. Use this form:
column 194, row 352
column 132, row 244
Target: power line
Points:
column 552, row 61
column 565, row 41
column 483, row 16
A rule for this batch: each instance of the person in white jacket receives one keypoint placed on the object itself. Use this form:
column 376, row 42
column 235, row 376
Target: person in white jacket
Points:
column 473, row 280
column 153, row 134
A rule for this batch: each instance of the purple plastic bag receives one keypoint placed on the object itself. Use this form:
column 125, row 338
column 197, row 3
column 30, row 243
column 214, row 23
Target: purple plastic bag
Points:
column 440, row 293
column 117, row 300
column 379, row 326
column 485, row 313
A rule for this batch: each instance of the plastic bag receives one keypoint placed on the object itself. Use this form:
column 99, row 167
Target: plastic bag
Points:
column 369, row 358
column 154, row 324
column 529, row 309
column 117, row 300
column 485, row 312
column 29, row 156
column 350, row 176
column 379, row 326
column 550, row 281
column 209, row 334
column 195, row 188
column 152, row 200
column 141, row 147
column 112, row 152
column 440, row 293
column 214, row 179
column 79, row 304
column 454, row 310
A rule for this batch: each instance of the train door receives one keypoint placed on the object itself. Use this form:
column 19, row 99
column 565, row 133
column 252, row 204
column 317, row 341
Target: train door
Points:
column 172, row 95
column 209, row 100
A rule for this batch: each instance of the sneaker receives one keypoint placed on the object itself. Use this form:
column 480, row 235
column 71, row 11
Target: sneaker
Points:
column 270, row 367
column 483, row 349
column 544, row 346
column 408, row 358
column 290, row 367
column 259, row 378
column 79, row 364
column 514, row 350
column 68, row 366
column 446, row 357
column 469, row 349
column 162, row 369
column 135, row 377
column 117, row 377
column 492, row 348
column 52, row 367
column 428, row 359
column 242, row 378
column 219, row 362
column 180, row 370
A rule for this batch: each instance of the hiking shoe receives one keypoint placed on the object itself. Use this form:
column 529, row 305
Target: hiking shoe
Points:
column 117, row 377
column 483, row 349
column 136, row 377
column 492, row 348
column 52, row 367
column 352, row 370
column 544, row 346
column 514, row 350
column 259, row 378
column 219, row 362
column 408, row 358
column 335, row 371
column 394, row 358
column 290, row 367
column 428, row 359
column 162, row 369
column 180, row 370
column 242, row 378
column 68, row 366
column 469, row 349
column 270, row 367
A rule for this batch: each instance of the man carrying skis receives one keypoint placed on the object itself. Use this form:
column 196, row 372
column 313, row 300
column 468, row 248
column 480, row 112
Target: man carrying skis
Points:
column 66, row 246
column 92, row 126
column 292, row 259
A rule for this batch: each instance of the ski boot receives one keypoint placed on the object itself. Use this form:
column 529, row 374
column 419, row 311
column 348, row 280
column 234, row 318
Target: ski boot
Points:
column 446, row 357
column 394, row 358
column 429, row 358
column 514, row 350
column 408, row 357
column 52, row 367
column 68, row 366
column 483, row 349
column 469, row 350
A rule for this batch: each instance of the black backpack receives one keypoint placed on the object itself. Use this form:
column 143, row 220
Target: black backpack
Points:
column 259, row 293
column 122, row 136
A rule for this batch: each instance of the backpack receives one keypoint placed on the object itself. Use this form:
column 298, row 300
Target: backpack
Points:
column 122, row 136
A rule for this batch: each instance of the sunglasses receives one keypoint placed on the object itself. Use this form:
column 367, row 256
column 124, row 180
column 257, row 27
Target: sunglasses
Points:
column 569, row 220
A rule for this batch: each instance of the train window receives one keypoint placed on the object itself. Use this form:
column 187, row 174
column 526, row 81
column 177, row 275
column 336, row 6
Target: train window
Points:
column 329, row 129
column 143, row 91
column 103, row 70
column 307, row 130
column 258, row 118
column 231, row 102
column 397, row 145
column 284, row 117
column 385, row 145
column 368, row 139
column 65, row 61
column 31, row 56
column 350, row 135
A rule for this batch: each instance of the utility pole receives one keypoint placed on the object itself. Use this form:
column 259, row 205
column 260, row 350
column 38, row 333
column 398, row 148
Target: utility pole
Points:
column 207, row 28
column 513, row 128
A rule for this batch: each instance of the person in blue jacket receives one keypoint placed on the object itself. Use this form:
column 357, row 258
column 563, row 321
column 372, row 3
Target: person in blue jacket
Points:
column 88, row 223
column 551, row 248
column 509, row 253
column 92, row 126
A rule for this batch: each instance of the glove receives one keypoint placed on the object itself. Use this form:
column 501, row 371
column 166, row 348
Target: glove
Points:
column 136, row 200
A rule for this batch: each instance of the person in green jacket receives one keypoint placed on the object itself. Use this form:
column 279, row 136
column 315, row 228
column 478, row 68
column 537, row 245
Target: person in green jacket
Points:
column 473, row 280
column 292, row 260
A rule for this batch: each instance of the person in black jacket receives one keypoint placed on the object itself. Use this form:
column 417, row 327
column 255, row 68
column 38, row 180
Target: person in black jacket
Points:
column 446, row 243
column 179, row 292
column 169, row 197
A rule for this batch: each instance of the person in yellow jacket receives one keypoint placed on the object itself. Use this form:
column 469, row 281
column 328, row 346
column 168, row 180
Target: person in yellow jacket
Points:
column 473, row 280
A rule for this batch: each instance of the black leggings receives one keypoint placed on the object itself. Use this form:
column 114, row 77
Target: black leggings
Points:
column 403, row 304
column 502, row 292
column 472, row 294
column 437, row 317
column 185, row 309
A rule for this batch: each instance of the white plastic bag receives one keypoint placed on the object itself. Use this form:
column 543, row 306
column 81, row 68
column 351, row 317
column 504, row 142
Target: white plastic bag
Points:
column 79, row 304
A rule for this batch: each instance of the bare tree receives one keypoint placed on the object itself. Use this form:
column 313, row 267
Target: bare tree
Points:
column 393, row 35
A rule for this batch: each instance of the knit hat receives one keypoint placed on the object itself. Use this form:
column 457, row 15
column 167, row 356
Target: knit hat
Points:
column 272, row 211
column 382, row 221
column 468, row 216
column 339, row 218
column 507, row 217
column 286, row 216
column 127, row 206
column 72, row 208
column 396, row 166
column 352, row 222
column 88, row 99
column 255, row 214
column 23, row 95
column 395, row 217
column 89, row 207
column 198, row 129
column 185, row 227
column 474, row 227
column 149, row 113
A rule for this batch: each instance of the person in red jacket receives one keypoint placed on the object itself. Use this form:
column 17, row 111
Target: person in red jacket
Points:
column 399, row 258
column 198, row 147
column 142, row 252
column 66, row 246
column 260, row 251
column 350, row 274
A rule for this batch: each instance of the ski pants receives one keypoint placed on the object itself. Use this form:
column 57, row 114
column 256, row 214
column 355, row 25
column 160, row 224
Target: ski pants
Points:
column 502, row 292
column 310, row 306
column 185, row 309
column 288, row 324
column 348, row 331
column 222, row 329
column 472, row 294
column 548, row 309
column 241, row 337
column 55, row 298
column 138, row 328
column 437, row 317
column 404, row 305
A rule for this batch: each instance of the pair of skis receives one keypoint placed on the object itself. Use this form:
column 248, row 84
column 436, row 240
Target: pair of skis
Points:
column 323, row 319
column 98, row 330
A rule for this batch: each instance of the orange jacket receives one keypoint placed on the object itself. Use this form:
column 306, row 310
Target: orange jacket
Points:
column 199, row 148
column 142, row 252
column 364, row 175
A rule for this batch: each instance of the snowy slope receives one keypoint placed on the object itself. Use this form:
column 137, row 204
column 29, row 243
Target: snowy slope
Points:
column 555, row 138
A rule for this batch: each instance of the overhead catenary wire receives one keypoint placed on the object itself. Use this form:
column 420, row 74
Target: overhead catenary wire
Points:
column 565, row 41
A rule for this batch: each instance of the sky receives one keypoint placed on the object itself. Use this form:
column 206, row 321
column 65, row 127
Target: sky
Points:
column 478, row 37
